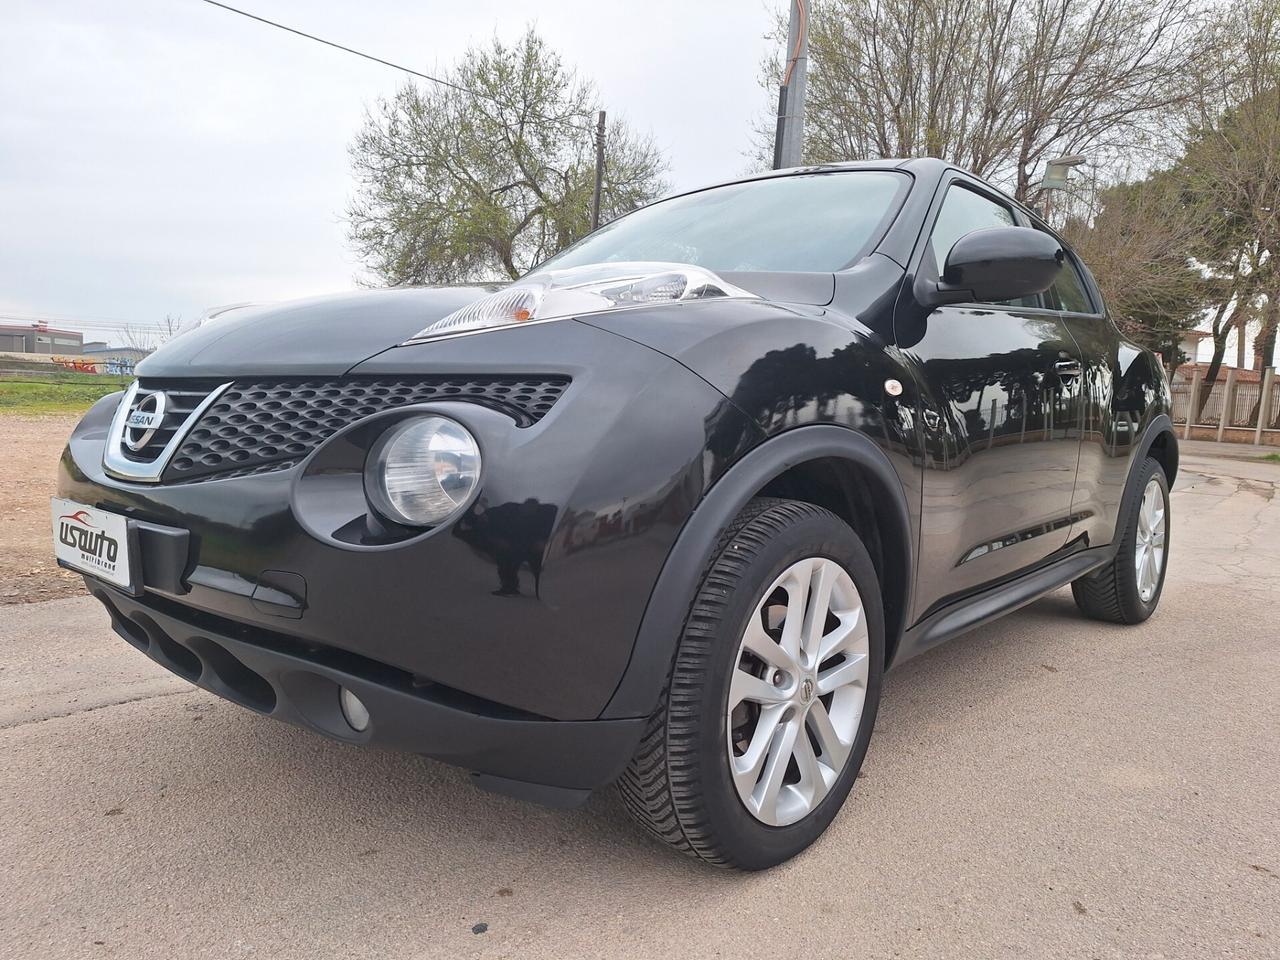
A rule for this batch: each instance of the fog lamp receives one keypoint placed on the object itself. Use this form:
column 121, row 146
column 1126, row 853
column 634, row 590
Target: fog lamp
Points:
column 354, row 711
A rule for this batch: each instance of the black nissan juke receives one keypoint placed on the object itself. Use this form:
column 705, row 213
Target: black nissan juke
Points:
column 660, row 513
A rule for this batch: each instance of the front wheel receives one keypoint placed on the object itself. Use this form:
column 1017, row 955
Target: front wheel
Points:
column 1127, row 590
column 772, row 696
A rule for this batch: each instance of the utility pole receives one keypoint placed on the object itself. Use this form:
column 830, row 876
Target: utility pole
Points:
column 595, row 198
column 788, row 144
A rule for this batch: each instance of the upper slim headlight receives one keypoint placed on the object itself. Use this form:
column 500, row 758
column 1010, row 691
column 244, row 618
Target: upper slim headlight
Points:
column 577, row 291
column 422, row 471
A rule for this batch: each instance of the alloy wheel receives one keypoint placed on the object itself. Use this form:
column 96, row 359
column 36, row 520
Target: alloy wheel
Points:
column 797, row 692
column 1149, row 554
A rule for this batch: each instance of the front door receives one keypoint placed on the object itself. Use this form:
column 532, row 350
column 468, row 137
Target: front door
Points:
column 999, row 428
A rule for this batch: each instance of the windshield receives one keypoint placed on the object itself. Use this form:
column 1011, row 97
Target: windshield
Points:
column 810, row 222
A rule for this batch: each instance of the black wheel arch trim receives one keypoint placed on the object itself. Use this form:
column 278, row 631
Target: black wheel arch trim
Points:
column 672, row 595
column 1160, row 424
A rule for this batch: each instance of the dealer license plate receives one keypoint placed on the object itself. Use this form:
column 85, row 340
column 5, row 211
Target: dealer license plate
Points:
column 92, row 541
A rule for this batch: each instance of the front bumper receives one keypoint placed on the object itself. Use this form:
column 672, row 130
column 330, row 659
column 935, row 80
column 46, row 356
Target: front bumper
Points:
column 532, row 598
column 551, row 761
column 496, row 641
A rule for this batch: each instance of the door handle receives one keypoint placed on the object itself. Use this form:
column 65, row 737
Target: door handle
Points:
column 1068, row 368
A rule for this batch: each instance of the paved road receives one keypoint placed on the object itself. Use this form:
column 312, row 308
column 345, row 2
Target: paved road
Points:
column 1046, row 787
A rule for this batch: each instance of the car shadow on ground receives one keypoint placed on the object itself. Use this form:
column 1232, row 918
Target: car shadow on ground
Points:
column 317, row 793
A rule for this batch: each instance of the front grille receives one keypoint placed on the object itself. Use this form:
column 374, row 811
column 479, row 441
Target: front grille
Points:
column 181, row 397
column 264, row 425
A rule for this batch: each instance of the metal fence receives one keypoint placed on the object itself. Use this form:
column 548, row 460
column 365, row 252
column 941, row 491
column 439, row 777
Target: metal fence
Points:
column 1181, row 393
column 1241, row 402
column 1244, row 406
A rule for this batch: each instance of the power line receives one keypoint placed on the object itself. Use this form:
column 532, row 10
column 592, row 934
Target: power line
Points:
column 107, row 324
column 37, row 316
column 87, row 324
column 394, row 66
column 45, row 318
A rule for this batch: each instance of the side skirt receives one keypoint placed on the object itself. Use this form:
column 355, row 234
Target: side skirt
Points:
column 981, row 608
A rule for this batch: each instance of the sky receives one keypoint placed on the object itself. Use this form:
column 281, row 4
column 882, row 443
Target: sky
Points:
column 160, row 157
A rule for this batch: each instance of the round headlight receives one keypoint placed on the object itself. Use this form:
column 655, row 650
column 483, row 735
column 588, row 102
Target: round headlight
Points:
column 422, row 471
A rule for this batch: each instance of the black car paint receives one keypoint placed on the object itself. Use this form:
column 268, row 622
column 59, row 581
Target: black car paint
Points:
column 556, row 599
column 313, row 337
column 583, row 536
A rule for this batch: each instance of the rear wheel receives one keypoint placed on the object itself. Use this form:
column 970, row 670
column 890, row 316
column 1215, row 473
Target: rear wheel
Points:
column 1127, row 590
column 772, row 696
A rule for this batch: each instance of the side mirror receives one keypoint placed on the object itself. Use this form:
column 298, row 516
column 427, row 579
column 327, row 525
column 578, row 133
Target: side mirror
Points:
column 994, row 264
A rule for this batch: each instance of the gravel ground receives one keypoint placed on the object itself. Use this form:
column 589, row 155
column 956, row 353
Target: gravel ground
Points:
column 28, row 473
column 1045, row 787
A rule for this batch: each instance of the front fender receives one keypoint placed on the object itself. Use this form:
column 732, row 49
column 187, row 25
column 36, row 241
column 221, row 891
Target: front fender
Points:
column 681, row 576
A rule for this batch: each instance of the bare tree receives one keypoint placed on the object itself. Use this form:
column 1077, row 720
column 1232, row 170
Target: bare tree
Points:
column 147, row 337
column 997, row 86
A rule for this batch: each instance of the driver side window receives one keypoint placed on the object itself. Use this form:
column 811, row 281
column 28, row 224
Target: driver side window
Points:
column 964, row 211
column 1068, row 292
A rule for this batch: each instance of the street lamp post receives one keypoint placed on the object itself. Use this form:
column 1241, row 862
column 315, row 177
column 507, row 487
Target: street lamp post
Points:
column 1056, row 174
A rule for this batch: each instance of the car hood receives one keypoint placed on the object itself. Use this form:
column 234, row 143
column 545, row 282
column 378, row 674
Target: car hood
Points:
column 321, row 336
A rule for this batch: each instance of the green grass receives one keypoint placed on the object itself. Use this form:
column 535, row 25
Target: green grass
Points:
column 1273, row 457
column 65, row 393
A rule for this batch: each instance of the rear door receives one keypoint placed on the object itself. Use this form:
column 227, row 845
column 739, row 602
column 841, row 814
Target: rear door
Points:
column 998, row 421
column 1112, row 415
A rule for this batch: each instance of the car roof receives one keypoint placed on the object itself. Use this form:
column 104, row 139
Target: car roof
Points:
column 791, row 172
column 924, row 168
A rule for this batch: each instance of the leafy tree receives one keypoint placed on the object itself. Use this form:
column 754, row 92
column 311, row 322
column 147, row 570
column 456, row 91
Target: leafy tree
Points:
column 1138, row 239
column 1231, row 167
column 490, row 176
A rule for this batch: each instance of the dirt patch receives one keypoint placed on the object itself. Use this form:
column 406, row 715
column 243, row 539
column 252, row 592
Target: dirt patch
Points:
column 28, row 475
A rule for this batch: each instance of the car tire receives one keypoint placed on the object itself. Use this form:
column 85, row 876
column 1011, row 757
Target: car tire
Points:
column 1121, row 592
column 680, row 785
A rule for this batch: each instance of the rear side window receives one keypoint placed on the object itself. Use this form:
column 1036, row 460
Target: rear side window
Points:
column 1068, row 291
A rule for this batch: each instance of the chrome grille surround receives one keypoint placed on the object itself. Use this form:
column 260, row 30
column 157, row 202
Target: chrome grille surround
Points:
column 182, row 407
